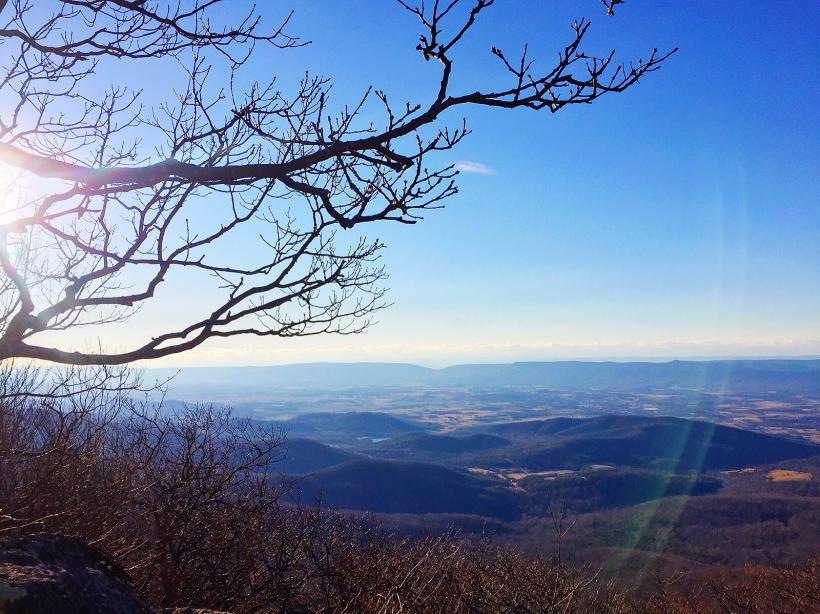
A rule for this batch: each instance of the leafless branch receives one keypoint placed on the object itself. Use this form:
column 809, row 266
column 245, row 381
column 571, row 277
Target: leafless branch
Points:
column 133, row 198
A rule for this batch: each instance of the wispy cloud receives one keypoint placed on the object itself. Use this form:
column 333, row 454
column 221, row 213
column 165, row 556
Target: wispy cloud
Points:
column 468, row 166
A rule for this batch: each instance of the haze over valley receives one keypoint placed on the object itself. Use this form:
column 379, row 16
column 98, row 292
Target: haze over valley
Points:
column 772, row 396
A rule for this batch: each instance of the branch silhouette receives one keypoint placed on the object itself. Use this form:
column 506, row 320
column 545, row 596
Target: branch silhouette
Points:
column 115, row 219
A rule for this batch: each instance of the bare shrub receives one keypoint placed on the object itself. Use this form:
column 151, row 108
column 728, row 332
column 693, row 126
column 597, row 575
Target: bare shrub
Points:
column 764, row 590
column 176, row 499
column 191, row 505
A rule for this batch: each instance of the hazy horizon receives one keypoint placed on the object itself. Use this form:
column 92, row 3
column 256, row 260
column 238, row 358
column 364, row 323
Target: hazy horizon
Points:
column 438, row 357
column 601, row 359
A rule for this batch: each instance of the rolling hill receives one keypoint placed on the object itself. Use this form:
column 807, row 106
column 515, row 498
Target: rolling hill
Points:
column 658, row 443
column 348, row 425
column 430, row 443
column 588, row 464
column 306, row 455
column 408, row 488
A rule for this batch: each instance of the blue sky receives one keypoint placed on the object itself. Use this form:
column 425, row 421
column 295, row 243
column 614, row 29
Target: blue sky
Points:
column 679, row 219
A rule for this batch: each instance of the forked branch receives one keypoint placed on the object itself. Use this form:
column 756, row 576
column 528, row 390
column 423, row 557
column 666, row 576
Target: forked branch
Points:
column 133, row 196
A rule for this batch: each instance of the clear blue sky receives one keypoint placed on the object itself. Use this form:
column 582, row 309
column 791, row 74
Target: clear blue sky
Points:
column 679, row 219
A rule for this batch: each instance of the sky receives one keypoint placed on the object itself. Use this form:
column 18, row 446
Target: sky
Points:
column 679, row 219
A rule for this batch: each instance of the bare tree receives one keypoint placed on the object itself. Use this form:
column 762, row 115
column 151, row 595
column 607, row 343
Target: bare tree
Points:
column 127, row 196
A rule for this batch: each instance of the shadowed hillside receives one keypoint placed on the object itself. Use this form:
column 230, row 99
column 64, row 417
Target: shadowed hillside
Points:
column 428, row 443
column 505, row 469
column 407, row 487
column 306, row 455
column 349, row 425
column 668, row 444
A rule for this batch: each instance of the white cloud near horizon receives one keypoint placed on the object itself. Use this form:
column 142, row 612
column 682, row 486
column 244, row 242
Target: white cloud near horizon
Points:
column 477, row 168
column 446, row 354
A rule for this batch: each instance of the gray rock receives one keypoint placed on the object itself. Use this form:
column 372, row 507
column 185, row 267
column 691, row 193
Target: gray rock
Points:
column 45, row 574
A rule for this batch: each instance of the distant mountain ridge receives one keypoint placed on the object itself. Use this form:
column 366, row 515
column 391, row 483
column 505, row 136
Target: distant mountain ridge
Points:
column 795, row 375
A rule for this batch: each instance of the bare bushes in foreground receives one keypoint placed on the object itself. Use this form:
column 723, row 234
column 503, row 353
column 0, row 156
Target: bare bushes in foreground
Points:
column 764, row 590
column 184, row 502
column 191, row 505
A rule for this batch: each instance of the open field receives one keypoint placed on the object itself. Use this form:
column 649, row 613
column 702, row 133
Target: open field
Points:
column 785, row 475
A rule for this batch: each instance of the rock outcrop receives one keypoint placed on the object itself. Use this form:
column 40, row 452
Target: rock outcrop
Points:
column 45, row 574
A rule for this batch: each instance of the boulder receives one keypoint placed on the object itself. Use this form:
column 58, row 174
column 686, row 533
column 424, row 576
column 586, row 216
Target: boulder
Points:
column 44, row 574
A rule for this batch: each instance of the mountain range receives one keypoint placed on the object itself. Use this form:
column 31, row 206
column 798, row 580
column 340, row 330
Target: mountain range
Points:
column 797, row 376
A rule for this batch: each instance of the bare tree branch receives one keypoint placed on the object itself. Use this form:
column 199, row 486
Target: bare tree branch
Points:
column 124, row 188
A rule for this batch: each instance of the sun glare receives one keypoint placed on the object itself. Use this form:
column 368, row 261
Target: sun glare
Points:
column 12, row 194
